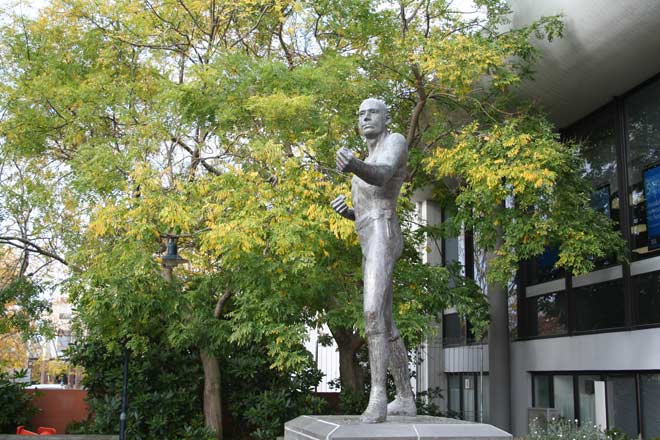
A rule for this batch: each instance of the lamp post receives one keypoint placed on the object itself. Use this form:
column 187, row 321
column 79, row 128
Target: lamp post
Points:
column 169, row 261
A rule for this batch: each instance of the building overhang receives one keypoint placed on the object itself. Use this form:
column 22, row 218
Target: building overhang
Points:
column 608, row 48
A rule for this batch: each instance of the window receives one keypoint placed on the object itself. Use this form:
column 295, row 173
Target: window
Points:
column 650, row 403
column 622, row 403
column 587, row 398
column 452, row 333
column 554, row 391
column 454, row 395
column 542, row 269
column 629, row 401
column 643, row 141
column 449, row 244
column 548, row 314
column 647, row 287
column 466, row 396
column 597, row 137
column 599, row 306
column 456, row 330
column 542, row 391
column 620, row 144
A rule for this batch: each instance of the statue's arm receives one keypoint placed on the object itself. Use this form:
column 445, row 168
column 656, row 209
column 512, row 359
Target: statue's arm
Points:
column 340, row 206
column 394, row 156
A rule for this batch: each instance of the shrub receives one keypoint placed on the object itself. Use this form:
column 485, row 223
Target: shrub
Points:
column 563, row 429
column 261, row 398
column 164, row 393
column 16, row 404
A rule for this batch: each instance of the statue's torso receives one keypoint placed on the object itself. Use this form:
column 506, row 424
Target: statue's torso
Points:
column 372, row 200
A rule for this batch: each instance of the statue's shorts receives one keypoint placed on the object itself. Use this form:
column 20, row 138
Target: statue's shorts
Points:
column 382, row 243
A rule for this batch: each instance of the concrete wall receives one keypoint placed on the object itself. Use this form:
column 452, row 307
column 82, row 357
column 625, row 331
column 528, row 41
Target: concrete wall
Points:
column 628, row 350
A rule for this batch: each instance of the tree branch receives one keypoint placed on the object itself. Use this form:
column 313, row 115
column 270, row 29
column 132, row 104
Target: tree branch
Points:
column 28, row 246
column 210, row 168
column 217, row 312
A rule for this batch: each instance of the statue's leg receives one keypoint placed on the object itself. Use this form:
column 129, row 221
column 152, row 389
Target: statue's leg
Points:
column 404, row 402
column 377, row 267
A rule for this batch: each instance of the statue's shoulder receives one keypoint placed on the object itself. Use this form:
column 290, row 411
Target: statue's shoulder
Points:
column 397, row 139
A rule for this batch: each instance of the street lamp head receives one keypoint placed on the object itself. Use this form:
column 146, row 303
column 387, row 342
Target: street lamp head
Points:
column 171, row 258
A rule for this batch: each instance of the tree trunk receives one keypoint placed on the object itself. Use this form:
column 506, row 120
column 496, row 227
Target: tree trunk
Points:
column 349, row 342
column 498, row 355
column 212, row 397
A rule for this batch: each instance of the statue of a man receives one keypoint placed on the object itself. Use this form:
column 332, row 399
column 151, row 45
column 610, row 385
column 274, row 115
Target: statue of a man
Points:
column 375, row 188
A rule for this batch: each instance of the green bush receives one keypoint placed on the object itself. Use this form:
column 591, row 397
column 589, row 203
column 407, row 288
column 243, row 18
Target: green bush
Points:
column 563, row 429
column 261, row 399
column 16, row 404
column 164, row 392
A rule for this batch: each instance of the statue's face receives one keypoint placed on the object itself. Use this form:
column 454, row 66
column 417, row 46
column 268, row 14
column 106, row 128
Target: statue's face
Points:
column 373, row 118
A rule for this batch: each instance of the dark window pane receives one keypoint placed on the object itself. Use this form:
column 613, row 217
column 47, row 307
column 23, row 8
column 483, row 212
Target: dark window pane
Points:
column 542, row 391
column 648, row 288
column 599, row 306
column 547, row 314
column 650, row 400
column 622, row 404
column 451, row 329
column 542, row 268
column 643, row 131
column 469, row 333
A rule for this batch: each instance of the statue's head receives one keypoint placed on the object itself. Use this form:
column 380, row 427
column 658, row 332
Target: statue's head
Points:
column 373, row 117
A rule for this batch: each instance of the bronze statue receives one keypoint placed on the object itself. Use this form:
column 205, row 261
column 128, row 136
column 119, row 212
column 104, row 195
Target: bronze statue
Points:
column 375, row 188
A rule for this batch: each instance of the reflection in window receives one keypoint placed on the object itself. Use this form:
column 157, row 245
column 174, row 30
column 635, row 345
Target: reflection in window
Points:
column 597, row 137
column 599, row 306
column 454, row 385
column 548, row 314
column 648, row 288
column 542, row 268
column 452, row 333
column 587, row 398
column 650, row 401
column 563, row 395
column 542, row 397
column 622, row 404
column 643, row 132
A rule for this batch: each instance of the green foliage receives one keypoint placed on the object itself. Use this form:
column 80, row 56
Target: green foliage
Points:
column 22, row 309
column 262, row 398
column 164, row 395
column 16, row 403
column 521, row 190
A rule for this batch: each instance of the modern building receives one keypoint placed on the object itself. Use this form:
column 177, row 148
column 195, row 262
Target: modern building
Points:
column 585, row 347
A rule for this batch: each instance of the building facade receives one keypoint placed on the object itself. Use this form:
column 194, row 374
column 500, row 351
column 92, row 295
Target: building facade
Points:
column 585, row 347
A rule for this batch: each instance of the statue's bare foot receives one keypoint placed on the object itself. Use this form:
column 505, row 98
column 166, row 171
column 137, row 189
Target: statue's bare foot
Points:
column 376, row 411
column 402, row 406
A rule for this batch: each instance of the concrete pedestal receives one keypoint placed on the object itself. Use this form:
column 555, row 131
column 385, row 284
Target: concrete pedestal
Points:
column 395, row 428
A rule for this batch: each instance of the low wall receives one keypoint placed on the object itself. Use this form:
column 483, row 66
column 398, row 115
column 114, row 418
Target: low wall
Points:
column 59, row 408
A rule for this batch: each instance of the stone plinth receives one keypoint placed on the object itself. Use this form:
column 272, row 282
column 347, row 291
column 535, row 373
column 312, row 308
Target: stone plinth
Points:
column 395, row 428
